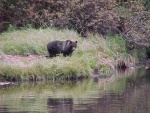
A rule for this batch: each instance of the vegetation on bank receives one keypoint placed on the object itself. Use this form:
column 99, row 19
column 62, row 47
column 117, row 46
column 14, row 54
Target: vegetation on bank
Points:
column 128, row 19
column 92, row 52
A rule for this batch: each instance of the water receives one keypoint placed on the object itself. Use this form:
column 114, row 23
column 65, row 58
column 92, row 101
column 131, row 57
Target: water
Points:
column 121, row 93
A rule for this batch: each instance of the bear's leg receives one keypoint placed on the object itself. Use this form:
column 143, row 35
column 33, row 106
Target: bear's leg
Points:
column 51, row 55
column 64, row 54
column 52, row 52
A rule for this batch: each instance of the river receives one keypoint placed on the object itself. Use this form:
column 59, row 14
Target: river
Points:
column 123, row 92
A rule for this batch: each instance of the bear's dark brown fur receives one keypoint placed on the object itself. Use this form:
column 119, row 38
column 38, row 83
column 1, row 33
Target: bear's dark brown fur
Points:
column 64, row 47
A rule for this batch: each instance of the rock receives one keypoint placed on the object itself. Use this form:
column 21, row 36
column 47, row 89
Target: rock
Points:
column 7, row 83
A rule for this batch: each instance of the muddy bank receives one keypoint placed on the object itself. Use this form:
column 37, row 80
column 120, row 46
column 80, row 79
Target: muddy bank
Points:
column 145, row 63
column 27, row 62
column 19, row 60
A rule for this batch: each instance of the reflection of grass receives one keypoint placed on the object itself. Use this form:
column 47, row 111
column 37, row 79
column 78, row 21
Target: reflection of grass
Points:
column 58, row 89
column 119, row 86
column 30, row 97
column 122, row 81
column 87, row 56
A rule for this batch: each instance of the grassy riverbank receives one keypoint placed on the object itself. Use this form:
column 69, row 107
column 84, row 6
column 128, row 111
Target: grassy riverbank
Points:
column 92, row 52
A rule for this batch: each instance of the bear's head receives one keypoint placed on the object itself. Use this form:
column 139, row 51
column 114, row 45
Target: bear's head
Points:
column 72, row 45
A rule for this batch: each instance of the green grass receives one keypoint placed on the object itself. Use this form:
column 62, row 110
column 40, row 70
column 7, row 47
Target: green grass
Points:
column 84, row 60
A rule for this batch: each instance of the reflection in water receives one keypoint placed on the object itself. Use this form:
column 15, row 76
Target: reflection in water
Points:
column 120, row 93
column 59, row 105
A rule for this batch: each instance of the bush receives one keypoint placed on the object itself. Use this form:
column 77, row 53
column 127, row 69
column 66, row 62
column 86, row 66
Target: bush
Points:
column 82, row 16
column 147, row 5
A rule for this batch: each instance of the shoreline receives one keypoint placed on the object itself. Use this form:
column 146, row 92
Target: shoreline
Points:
column 18, row 60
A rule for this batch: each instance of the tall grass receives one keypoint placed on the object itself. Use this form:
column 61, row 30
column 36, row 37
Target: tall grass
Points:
column 88, row 55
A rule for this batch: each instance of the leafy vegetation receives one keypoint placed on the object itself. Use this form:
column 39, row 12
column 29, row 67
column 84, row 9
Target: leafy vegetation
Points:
column 99, row 16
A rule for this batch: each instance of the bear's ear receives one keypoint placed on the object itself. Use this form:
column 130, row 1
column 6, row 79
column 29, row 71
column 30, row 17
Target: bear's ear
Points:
column 70, row 42
column 75, row 41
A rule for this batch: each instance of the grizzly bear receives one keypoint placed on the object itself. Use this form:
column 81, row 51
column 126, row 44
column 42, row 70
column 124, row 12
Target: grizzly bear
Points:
column 65, row 47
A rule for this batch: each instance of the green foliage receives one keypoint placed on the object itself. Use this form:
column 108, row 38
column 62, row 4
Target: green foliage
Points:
column 11, row 28
column 22, row 49
column 117, row 44
column 141, row 53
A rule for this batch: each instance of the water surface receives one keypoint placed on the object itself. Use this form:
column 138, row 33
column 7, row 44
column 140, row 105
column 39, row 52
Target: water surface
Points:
column 120, row 93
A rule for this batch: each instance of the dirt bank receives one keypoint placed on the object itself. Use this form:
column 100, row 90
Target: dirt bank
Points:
column 19, row 60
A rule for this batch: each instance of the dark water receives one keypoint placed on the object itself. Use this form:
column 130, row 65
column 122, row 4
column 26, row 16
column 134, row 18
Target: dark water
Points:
column 121, row 93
